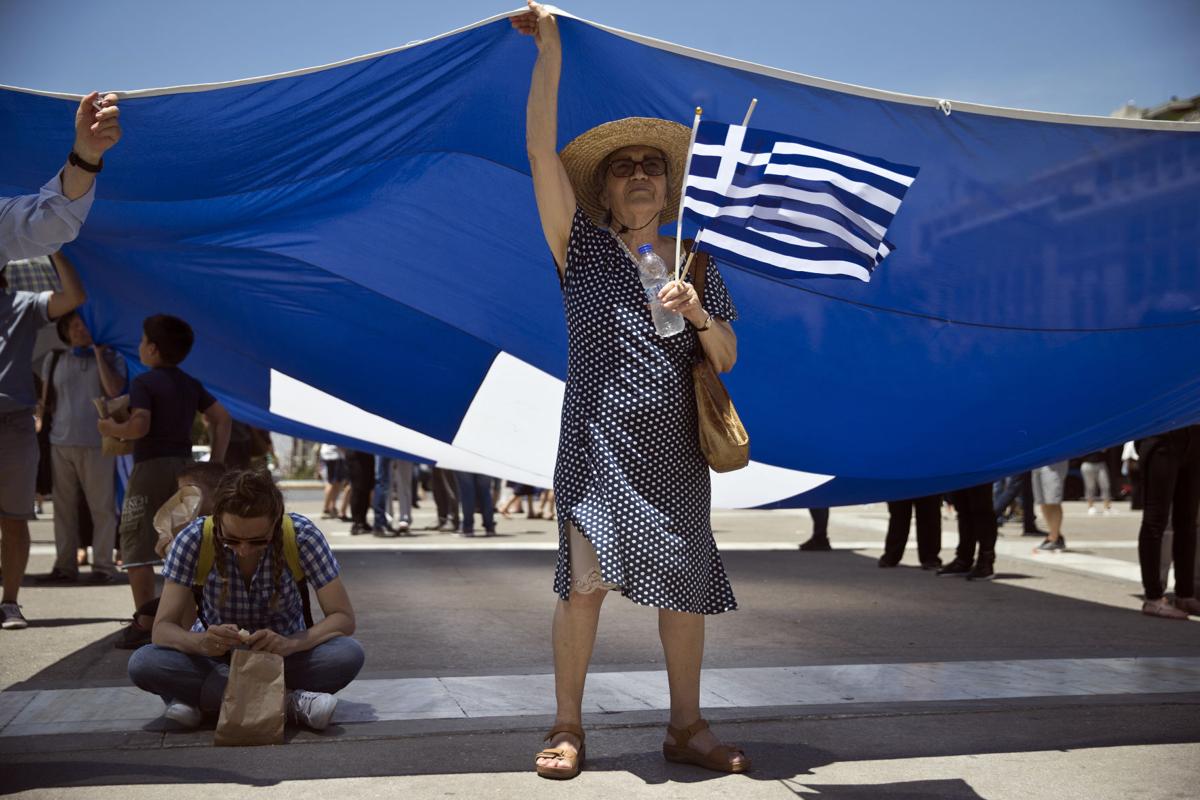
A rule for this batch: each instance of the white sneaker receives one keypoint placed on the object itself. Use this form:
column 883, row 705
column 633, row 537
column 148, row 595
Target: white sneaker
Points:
column 185, row 715
column 1093, row 511
column 314, row 709
column 1110, row 512
column 11, row 618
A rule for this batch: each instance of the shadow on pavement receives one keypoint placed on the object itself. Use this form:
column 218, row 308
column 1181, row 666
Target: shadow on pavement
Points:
column 782, row 750
column 66, row 622
column 116, row 772
column 908, row 790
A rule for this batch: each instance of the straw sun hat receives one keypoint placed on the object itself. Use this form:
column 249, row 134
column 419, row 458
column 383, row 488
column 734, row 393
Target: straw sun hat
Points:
column 584, row 155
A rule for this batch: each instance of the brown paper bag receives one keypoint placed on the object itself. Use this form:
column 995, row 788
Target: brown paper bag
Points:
column 118, row 409
column 174, row 515
column 252, row 709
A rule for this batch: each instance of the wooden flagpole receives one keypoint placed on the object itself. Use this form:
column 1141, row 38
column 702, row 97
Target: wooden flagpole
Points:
column 687, row 166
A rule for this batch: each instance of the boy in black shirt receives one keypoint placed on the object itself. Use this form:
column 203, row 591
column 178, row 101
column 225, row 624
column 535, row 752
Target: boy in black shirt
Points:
column 162, row 403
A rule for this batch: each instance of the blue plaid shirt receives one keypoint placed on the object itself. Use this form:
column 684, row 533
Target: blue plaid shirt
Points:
column 250, row 608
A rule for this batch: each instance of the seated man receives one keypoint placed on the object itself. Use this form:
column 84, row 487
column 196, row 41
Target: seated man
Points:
column 251, row 586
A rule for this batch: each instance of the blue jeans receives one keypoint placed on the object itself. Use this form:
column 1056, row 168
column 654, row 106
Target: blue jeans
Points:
column 475, row 489
column 199, row 681
column 383, row 485
column 1005, row 490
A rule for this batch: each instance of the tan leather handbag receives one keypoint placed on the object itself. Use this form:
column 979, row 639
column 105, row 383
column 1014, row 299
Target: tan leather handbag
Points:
column 723, row 438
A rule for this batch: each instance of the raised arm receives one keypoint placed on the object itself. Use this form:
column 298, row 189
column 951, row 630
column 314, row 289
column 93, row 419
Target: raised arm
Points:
column 551, row 186
column 112, row 378
column 220, row 424
column 72, row 295
column 37, row 224
column 95, row 132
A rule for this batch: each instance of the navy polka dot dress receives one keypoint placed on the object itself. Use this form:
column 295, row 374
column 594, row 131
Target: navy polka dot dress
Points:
column 630, row 474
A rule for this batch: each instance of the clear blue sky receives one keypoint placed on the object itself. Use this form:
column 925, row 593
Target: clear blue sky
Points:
column 1076, row 56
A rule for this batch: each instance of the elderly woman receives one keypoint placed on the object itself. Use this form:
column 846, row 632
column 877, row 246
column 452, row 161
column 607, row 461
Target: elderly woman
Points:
column 631, row 483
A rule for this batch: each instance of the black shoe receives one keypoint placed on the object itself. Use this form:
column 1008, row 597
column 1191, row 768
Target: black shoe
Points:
column 983, row 569
column 1056, row 546
column 359, row 528
column 886, row 562
column 56, row 577
column 932, row 564
column 385, row 533
column 955, row 569
column 1035, row 532
column 133, row 637
column 815, row 545
column 344, row 518
column 102, row 578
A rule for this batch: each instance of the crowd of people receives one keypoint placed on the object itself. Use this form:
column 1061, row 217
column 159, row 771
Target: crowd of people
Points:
column 1162, row 476
column 391, row 488
column 238, row 566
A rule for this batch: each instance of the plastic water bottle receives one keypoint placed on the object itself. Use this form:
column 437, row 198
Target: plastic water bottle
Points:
column 653, row 273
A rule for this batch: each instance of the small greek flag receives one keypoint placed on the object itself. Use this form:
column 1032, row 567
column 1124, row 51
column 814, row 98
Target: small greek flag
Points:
column 767, row 198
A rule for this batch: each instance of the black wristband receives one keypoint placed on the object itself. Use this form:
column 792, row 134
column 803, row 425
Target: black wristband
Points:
column 76, row 161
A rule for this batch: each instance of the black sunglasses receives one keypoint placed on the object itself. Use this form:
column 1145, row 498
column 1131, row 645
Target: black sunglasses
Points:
column 255, row 543
column 652, row 166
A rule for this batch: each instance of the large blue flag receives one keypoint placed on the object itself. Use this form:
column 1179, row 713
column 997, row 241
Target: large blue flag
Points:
column 358, row 249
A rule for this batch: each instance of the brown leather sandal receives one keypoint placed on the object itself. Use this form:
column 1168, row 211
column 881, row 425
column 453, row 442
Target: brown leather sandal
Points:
column 561, row 773
column 719, row 759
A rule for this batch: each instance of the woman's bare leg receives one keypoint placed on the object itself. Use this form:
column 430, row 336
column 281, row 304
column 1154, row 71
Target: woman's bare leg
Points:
column 682, row 636
column 574, row 634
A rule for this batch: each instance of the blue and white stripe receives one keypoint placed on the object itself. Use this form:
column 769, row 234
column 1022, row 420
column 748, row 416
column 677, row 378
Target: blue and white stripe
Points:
column 766, row 198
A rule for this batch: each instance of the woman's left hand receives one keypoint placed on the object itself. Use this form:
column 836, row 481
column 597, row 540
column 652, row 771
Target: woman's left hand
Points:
column 267, row 640
column 680, row 297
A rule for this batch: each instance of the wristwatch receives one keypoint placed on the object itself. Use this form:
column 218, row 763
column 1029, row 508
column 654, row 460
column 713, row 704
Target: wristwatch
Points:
column 76, row 160
column 707, row 323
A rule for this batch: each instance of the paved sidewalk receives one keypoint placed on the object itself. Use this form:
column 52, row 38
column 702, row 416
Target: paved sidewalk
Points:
column 842, row 680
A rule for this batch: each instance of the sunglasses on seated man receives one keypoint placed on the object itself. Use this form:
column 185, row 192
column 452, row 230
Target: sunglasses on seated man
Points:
column 652, row 166
column 256, row 542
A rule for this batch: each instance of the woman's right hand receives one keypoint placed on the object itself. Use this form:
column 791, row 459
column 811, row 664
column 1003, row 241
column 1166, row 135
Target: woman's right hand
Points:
column 217, row 640
column 538, row 23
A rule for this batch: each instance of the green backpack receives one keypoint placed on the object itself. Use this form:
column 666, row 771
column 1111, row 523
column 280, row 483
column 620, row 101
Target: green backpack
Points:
column 291, row 555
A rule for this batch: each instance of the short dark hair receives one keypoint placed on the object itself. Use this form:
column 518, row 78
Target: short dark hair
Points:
column 3, row 276
column 62, row 324
column 172, row 336
column 206, row 474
